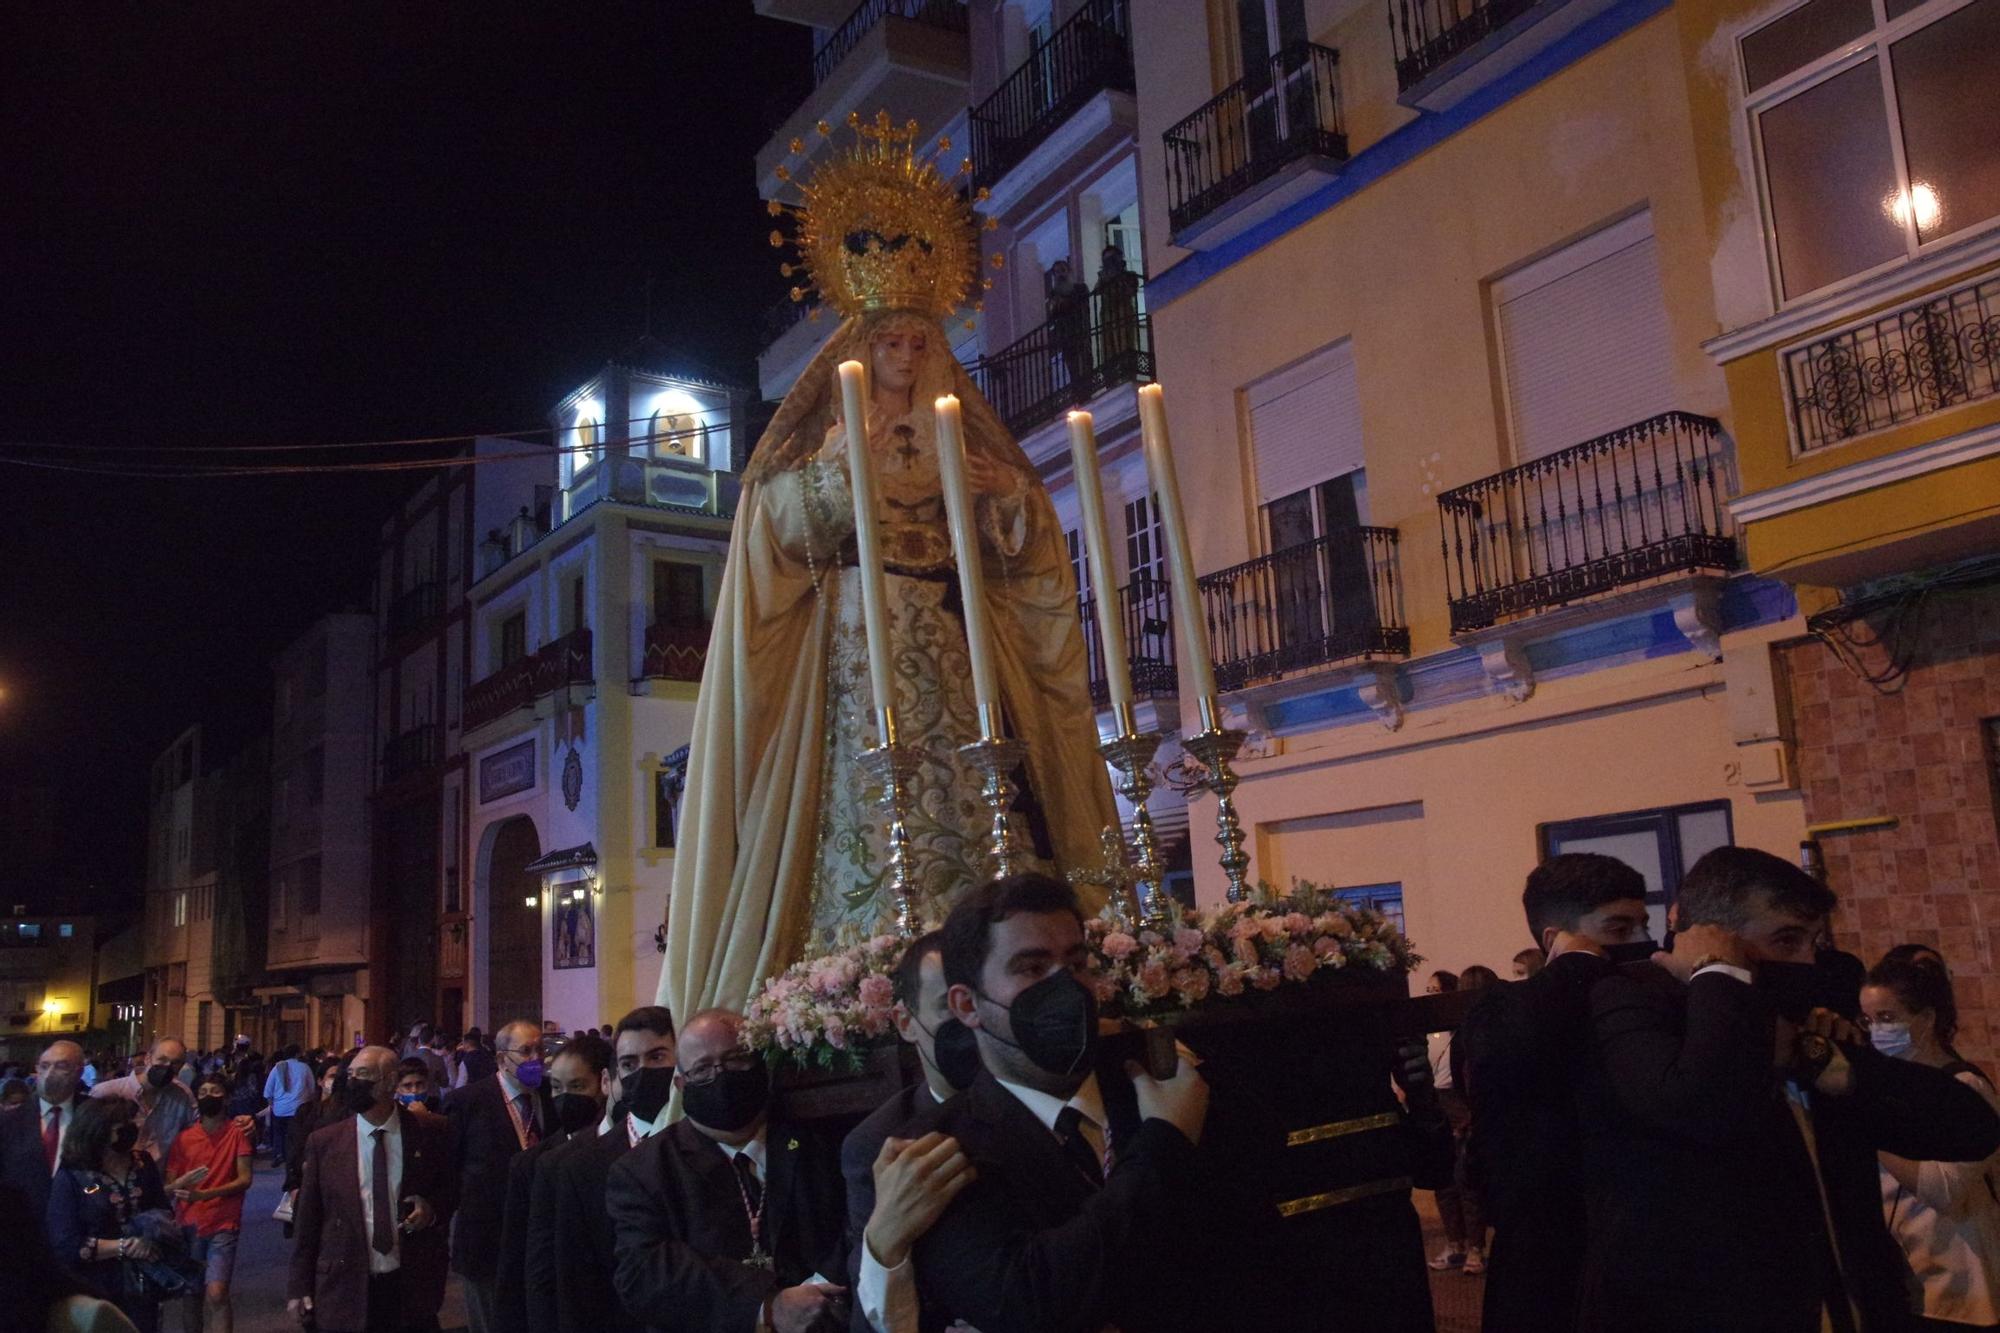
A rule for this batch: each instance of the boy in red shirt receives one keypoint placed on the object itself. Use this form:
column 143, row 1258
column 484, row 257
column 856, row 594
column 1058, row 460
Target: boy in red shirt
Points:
column 213, row 1207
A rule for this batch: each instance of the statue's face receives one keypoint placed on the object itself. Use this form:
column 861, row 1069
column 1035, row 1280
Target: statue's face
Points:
column 896, row 356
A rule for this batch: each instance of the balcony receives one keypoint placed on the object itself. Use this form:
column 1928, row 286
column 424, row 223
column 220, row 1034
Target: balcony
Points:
column 1146, row 606
column 560, row 664
column 1257, row 147
column 1446, row 50
column 684, row 484
column 1933, row 354
column 1634, row 505
column 415, row 610
column 790, row 336
column 910, row 57
column 419, row 748
column 1088, row 55
column 675, row 652
column 1331, row 600
column 1065, row 363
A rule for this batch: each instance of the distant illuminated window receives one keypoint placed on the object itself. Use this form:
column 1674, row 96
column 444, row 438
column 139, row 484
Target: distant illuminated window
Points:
column 676, row 435
column 65, row 930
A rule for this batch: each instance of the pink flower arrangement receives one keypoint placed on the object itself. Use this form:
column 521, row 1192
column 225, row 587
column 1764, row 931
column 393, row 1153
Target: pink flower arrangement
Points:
column 825, row 1011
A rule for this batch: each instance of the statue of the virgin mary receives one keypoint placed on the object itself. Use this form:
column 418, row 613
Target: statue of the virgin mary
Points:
column 782, row 843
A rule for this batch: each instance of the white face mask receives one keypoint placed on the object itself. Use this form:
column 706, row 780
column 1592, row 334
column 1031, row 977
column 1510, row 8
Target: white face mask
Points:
column 1892, row 1039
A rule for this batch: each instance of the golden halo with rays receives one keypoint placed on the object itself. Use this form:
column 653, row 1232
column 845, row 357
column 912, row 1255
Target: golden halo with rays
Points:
column 882, row 228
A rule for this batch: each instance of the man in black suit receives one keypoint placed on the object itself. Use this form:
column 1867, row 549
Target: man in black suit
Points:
column 1732, row 1120
column 579, row 1084
column 493, row 1121
column 573, row 1251
column 923, row 1172
column 1522, row 1046
column 31, row 1136
column 731, row 1219
column 1087, row 1190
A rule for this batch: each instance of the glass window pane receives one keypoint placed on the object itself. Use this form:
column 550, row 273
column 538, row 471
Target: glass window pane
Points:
column 1803, row 36
column 1895, row 9
column 1951, row 119
column 1832, row 176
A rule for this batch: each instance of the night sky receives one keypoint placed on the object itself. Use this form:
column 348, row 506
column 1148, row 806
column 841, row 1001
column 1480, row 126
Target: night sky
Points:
column 262, row 223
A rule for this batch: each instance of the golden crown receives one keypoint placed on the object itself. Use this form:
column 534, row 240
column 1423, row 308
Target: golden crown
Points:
column 882, row 228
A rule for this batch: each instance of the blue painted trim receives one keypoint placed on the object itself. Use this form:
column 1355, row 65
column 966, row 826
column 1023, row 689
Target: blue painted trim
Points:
column 1400, row 146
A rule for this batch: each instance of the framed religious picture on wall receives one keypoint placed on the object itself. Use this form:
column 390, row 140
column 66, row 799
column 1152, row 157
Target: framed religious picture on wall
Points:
column 575, row 924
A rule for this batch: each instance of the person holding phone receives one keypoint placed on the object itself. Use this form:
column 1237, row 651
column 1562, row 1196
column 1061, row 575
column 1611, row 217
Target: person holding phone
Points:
column 210, row 1161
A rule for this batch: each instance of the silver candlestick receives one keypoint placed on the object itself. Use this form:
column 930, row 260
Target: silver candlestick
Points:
column 894, row 765
column 1130, row 754
column 1114, row 871
column 1213, row 748
column 995, row 758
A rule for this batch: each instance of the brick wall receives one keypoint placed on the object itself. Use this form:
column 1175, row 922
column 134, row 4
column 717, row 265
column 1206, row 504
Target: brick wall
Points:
column 1923, row 755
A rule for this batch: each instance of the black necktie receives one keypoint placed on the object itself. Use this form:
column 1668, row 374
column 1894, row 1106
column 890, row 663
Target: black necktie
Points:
column 383, row 1225
column 746, row 1174
column 1069, row 1133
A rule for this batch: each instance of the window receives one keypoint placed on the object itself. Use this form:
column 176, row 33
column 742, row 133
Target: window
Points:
column 513, row 639
column 676, row 435
column 181, row 908
column 1305, row 425
column 308, row 871
column 666, row 804
column 1659, row 844
column 204, row 1020
column 30, row 930
column 1584, row 343
column 1870, row 152
column 575, row 605
column 678, row 594
column 450, row 857
column 1079, row 562
column 1145, row 540
column 66, row 931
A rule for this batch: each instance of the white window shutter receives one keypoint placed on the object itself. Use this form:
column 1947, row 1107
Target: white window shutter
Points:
column 1305, row 423
column 1584, row 340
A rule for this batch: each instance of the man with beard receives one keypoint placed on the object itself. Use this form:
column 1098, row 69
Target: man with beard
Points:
column 1082, row 1184
column 579, row 1084
column 572, row 1251
column 731, row 1219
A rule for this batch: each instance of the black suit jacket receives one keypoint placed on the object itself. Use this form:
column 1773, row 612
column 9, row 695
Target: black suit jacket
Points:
column 585, row 1247
column 1519, row 1052
column 909, row 1114
column 484, row 1145
column 1704, row 1209
column 22, row 1162
column 683, row 1236
column 511, row 1278
column 543, row 1276
column 330, row 1252
column 1033, row 1247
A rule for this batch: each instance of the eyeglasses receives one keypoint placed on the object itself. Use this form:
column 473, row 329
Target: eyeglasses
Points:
column 738, row 1062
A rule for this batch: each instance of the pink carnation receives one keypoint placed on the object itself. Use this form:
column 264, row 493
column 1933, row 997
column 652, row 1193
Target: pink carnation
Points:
column 1267, row 978
column 1118, row 944
column 1229, row 982
column 1191, row 984
column 1152, row 980
column 1325, row 947
column 836, row 1033
column 1271, row 927
column 876, row 992
column 1105, row 985
column 1299, row 963
column 1297, row 923
column 1188, row 940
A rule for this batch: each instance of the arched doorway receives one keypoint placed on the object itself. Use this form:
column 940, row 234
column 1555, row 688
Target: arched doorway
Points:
column 514, row 925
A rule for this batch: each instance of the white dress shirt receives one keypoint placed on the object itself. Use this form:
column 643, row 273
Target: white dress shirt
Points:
column 364, row 1138
column 68, row 1109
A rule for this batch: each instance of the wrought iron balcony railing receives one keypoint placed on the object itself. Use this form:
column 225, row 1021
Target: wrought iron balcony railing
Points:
column 418, row 748
column 1932, row 354
column 415, row 609
column 1643, row 501
column 565, row 661
column 1090, row 53
column 1254, row 128
column 1427, row 33
column 947, row 14
column 1329, row 600
column 1147, row 608
column 1102, row 341
column 782, row 318
column 675, row 652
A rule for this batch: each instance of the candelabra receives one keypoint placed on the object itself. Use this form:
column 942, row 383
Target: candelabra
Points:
column 1130, row 754
column 893, row 765
column 1214, row 746
column 995, row 758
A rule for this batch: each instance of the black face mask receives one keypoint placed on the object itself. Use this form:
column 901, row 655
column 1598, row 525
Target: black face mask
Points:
column 732, row 1101
column 211, row 1106
column 646, row 1091
column 1055, row 1024
column 955, row 1050
column 360, row 1095
column 576, row 1111
column 124, row 1138
column 160, row 1075
column 1632, row 951
column 1796, row 989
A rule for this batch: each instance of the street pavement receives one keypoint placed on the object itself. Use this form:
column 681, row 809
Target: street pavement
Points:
column 262, row 1258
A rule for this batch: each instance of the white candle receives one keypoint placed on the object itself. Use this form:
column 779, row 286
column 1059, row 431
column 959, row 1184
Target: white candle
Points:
column 1110, row 629
column 1190, row 626
column 867, row 538
column 971, row 574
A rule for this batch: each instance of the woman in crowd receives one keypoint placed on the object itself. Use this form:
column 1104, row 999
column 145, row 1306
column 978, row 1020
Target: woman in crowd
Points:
column 1945, row 1215
column 103, row 1183
column 1458, row 1204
